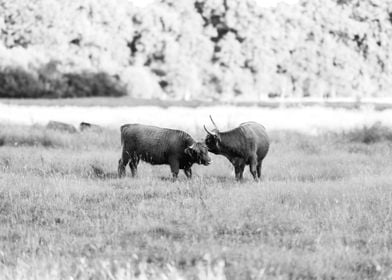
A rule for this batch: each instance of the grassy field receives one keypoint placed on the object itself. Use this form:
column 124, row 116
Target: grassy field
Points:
column 322, row 211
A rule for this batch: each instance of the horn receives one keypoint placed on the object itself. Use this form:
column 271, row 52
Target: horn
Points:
column 214, row 123
column 209, row 132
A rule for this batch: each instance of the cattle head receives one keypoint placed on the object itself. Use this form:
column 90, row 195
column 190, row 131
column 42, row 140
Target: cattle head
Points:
column 213, row 139
column 198, row 153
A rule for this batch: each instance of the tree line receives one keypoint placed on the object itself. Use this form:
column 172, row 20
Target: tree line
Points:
column 196, row 49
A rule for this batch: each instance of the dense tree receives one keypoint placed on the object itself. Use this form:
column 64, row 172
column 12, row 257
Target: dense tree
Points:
column 220, row 49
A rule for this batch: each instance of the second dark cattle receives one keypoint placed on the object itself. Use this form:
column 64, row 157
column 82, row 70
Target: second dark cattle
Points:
column 157, row 145
column 247, row 144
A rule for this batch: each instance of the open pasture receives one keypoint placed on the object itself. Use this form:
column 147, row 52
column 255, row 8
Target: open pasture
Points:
column 322, row 211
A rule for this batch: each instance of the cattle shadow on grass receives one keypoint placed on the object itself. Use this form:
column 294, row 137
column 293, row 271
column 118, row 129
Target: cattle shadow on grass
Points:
column 166, row 179
column 99, row 173
column 224, row 179
column 206, row 179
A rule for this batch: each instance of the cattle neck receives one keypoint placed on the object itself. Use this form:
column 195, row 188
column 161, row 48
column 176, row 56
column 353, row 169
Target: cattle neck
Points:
column 231, row 142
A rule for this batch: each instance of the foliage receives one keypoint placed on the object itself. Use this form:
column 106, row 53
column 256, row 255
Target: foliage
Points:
column 370, row 134
column 192, row 49
column 19, row 83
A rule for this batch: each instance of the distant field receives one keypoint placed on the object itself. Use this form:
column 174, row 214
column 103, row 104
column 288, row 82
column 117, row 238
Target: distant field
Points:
column 101, row 101
column 346, row 103
column 322, row 211
column 307, row 119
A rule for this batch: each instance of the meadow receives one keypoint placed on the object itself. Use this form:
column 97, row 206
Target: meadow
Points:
column 322, row 211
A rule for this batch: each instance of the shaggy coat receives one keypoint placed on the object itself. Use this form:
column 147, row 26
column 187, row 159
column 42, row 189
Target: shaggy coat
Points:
column 157, row 145
column 247, row 144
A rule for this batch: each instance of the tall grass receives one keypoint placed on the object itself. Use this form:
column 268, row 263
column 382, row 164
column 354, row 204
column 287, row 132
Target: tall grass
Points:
column 322, row 211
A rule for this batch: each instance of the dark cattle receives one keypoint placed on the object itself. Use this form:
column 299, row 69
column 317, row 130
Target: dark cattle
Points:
column 84, row 126
column 247, row 144
column 157, row 145
column 60, row 126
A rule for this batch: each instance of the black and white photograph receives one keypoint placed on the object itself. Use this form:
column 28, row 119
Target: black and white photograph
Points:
column 195, row 139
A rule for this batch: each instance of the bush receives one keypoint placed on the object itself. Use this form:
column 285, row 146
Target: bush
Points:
column 91, row 84
column 370, row 134
column 18, row 83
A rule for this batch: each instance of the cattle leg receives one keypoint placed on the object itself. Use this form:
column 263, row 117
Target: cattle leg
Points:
column 259, row 165
column 122, row 163
column 174, row 167
column 121, row 168
column 239, row 171
column 133, row 166
column 253, row 168
column 188, row 173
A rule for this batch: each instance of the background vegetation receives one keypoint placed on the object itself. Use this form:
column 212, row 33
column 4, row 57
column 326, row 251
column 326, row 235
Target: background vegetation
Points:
column 323, row 211
column 195, row 49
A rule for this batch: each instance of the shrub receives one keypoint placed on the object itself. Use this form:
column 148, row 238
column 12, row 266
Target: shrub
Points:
column 18, row 83
column 370, row 134
column 91, row 84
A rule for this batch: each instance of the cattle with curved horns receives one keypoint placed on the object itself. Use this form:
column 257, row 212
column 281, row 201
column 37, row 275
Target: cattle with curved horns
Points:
column 158, row 145
column 246, row 144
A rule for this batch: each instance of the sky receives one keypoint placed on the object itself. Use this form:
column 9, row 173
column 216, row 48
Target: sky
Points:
column 263, row 3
